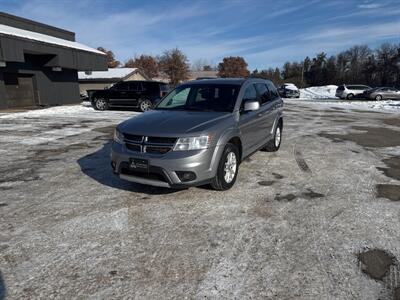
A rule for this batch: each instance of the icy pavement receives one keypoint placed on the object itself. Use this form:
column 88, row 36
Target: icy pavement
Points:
column 319, row 219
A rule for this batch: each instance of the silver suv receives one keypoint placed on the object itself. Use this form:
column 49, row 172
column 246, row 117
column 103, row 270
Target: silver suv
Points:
column 199, row 133
column 350, row 91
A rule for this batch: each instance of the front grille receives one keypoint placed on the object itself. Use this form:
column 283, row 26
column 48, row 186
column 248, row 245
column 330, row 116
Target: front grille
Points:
column 149, row 144
column 133, row 147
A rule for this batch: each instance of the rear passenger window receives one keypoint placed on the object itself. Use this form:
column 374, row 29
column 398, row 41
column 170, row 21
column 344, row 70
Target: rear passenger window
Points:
column 263, row 92
column 272, row 90
column 135, row 86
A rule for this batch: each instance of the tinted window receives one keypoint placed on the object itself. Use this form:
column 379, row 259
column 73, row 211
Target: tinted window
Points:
column 164, row 87
column 272, row 90
column 263, row 92
column 135, row 86
column 202, row 97
column 249, row 94
column 121, row 86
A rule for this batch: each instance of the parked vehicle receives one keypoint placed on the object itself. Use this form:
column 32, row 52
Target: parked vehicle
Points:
column 381, row 93
column 351, row 91
column 289, row 90
column 138, row 94
column 199, row 133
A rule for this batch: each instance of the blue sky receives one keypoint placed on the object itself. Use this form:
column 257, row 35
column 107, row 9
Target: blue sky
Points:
column 267, row 33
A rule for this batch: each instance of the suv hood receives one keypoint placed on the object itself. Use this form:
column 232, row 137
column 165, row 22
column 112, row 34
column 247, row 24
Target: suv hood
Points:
column 172, row 123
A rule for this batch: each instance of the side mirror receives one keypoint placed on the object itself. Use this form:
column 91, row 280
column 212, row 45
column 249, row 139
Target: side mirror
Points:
column 251, row 105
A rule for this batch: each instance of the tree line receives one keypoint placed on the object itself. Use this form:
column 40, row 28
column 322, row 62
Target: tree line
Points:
column 359, row 64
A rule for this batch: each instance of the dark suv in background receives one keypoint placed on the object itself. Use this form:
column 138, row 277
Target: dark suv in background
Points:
column 137, row 94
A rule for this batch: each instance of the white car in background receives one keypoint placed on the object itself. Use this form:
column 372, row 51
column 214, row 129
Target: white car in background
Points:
column 350, row 91
column 289, row 90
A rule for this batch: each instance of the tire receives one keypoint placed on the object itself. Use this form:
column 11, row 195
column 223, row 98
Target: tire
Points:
column 378, row 97
column 100, row 104
column 349, row 96
column 274, row 144
column 228, row 168
column 145, row 105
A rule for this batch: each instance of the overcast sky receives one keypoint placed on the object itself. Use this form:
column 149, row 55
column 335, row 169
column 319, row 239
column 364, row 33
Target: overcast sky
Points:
column 267, row 33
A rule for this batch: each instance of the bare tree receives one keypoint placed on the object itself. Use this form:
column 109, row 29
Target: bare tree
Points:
column 111, row 61
column 174, row 63
column 147, row 63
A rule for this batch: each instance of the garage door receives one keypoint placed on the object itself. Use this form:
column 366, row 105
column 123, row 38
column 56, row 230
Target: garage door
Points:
column 19, row 89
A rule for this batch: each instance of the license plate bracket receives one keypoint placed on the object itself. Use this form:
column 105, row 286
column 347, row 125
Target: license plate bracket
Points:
column 139, row 164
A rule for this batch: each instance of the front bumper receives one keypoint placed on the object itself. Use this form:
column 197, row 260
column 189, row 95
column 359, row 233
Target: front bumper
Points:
column 162, row 171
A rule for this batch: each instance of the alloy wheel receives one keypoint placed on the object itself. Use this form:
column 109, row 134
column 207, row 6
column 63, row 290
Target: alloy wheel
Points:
column 230, row 167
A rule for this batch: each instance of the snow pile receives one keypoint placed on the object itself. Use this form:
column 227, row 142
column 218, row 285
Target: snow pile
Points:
column 319, row 92
column 83, row 110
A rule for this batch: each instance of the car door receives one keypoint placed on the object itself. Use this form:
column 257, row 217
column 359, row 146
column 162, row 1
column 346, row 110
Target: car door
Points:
column 119, row 94
column 136, row 92
column 266, row 112
column 393, row 94
column 249, row 122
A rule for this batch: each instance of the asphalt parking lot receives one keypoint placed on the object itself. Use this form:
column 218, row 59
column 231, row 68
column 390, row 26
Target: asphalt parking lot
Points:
column 319, row 219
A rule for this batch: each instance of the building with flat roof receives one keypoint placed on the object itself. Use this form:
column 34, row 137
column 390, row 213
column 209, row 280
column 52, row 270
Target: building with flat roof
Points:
column 39, row 63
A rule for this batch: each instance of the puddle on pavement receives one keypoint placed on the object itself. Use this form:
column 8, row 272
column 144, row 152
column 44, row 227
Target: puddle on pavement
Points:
column 376, row 263
column 369, row 137
column 310, row 194
column 46, row 154
column 388, row 191
column 266, row 182
column 278, row 176
column 287, row 197
column 392, row 169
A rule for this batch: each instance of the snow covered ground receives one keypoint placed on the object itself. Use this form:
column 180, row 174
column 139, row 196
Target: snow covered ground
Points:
column 326, row 95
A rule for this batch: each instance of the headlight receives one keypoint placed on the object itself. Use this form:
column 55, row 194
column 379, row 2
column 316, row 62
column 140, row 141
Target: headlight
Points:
column 192, row 143
column 118, row 137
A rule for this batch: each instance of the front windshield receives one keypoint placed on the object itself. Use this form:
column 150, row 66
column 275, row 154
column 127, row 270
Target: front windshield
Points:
column 202, row 97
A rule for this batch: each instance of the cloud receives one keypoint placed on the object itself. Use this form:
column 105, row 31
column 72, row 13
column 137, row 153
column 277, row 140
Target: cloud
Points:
column 369, row 5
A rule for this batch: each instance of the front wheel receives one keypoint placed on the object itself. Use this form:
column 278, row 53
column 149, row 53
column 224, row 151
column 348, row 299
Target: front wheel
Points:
column 228, row 168
column 275, row 143
column 100, row 104
column 378, row 97
column 350, row 96
column 145, row 105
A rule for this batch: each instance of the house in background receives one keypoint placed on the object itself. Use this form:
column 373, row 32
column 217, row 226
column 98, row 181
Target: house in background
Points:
column 39, row 63
column 99, row 80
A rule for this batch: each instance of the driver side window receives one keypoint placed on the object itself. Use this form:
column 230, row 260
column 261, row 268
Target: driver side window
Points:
column 250, row 94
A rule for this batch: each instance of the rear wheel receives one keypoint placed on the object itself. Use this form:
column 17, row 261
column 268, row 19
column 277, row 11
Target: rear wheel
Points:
column 378, row 97
column 228, row 168
column 275, row 143
column 145, row 105
column 100, row 104
column 350, row 96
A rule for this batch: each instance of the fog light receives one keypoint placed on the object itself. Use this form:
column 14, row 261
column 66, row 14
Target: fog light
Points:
column 186, row 176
